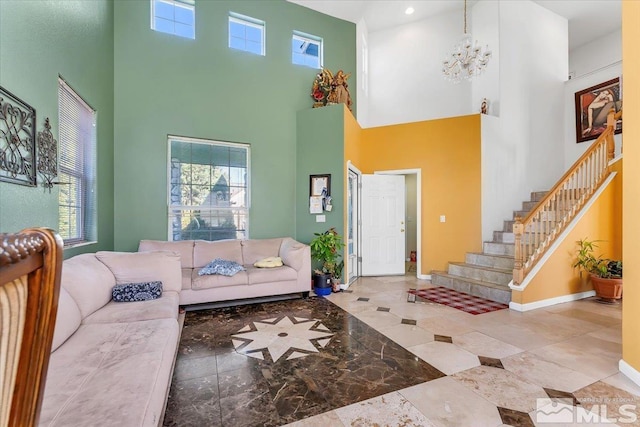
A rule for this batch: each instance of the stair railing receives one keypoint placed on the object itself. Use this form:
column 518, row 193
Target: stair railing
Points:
column 538, row 230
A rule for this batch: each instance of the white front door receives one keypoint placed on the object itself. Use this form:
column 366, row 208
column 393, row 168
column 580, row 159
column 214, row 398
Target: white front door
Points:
column 383, row 227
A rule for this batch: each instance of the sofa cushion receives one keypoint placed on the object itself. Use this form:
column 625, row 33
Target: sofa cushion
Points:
column 88, row 281
column 204, row 252
column 111, row 374
column 293, row 252
column 256, row 249
column 186, row 278
column 165, row 307
column 67, row 320
column 132, row 292
column 269, row 275
column 216, row 280
column 133, row 267
column 183, row 247
column 221, row 266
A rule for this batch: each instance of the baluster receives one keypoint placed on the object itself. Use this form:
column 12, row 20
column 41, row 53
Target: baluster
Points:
column 518, row 273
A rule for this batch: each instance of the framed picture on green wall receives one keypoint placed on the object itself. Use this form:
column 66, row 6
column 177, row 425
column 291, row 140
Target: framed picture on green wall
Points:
column 320, row 185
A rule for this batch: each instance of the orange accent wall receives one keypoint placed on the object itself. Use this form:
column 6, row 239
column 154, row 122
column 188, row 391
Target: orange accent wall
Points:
column 631, row 206
column 603, row 221
column 448, row 153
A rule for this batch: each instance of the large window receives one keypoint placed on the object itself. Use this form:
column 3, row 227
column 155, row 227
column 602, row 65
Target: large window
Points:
column 174, row 17
column 246, row 33
column 306, row 50
column 77, row 167
column 208, row 190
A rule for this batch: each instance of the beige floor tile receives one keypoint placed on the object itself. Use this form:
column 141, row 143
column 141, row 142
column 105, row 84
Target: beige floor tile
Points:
column 552, row 413
column 448, row 403
column 407, row 335
column 620, row 404
column 501, row 387
column 517, row 336
column 445, row 357
column 483, row 345
column 536, row 370
column 589, row 316
column 448, row 325
column 613, row 334
column 622, row 382
column 354, row 306
column 418, row 310
column 378, row 319
column 323, row 420
column 592, row 356
column 390, row 410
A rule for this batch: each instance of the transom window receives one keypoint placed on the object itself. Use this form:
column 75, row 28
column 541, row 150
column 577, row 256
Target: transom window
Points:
column 306, row 50
column 208, row 190
column 174, row 17
column 246, row 34
column 77, row 167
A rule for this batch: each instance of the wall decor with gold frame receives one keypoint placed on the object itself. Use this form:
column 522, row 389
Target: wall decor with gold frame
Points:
column 47, row 155
column 17, row 140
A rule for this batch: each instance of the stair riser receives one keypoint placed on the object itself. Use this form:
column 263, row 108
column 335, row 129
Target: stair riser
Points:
column 498, row 295
column 494, row 248
column 489, row 261
column 536, row 196
column 496, row 277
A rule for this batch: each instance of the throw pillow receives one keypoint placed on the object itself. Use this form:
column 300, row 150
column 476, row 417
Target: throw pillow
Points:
column 221, row 266
column 269, row 262
column 144, row 291
column 138, row 267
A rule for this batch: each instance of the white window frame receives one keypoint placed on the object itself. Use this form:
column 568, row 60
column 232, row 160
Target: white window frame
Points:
column 249, row 22
column 175, row 3
column 171, row 207
column 310, row 38
column 85, row 172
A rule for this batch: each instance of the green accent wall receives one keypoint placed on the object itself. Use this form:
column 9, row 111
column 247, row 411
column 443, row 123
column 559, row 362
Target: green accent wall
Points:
column 167, row 85
column 320, row 151
column 40, row 40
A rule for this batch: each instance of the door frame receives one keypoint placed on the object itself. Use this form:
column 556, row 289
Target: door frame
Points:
column 418, row 173
column 357, row 245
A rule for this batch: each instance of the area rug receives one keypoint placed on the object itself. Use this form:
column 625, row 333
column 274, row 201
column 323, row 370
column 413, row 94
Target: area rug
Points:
column 465, row 302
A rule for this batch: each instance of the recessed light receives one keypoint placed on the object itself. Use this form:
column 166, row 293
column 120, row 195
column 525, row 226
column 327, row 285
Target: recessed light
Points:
column 409, row 10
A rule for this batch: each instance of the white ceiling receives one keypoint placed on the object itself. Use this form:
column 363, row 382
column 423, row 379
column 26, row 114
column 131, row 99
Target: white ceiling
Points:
column 588, row 19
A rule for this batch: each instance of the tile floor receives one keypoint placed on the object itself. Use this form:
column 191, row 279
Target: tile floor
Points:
column 492, row 369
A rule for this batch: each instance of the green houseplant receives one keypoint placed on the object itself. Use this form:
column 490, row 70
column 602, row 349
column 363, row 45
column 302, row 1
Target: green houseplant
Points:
column 606, row 274
column 326, row 250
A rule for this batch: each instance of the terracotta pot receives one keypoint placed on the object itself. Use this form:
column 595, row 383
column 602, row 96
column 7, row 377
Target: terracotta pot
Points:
column 607, row 289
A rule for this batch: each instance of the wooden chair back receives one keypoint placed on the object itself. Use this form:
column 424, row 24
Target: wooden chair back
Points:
column 30, row 267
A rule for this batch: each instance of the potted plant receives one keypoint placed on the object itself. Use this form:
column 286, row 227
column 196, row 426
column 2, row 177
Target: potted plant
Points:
column 326, row 250
column 606, row 274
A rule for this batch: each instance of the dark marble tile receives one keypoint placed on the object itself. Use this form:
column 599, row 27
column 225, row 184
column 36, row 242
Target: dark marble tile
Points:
column 357, row 362
column 515, row 418
column 443, row 338
column 565, row 395
column 364, row 299
column 409, row 322
column 194, row 403
column 348, row 291
column 384, row 309
column 188, row 368
column 490, row 361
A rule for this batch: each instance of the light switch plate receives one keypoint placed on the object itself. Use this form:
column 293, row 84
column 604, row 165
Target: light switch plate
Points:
column 321, row 218
column 443, row 218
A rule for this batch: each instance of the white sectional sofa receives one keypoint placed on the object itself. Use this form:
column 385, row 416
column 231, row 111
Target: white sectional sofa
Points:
column 111, row 362
column 293, row 277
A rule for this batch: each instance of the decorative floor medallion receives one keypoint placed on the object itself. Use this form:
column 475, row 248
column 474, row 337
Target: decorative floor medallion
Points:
column 277, row 336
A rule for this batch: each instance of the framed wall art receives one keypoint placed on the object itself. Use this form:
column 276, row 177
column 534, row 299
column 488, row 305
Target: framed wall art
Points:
column 320, row 185
column 592, row 106
column 17, row 140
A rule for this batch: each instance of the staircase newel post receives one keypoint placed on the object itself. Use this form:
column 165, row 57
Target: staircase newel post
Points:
column 518, row 272
column 611, row 145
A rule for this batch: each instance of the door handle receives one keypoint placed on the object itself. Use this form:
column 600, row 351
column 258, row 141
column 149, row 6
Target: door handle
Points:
column 402, row 230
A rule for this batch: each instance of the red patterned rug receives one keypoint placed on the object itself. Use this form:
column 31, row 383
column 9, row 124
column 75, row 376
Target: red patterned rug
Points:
column 465, row 302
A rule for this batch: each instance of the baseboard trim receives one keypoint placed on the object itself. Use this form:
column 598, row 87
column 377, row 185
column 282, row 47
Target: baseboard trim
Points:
column 551, row 301
column 629, row 371
column 424, row 276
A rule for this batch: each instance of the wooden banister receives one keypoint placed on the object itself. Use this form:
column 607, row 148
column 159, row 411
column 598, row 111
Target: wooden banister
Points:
column 535, row 233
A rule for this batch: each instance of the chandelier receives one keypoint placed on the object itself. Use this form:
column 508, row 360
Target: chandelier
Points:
column 468, row 59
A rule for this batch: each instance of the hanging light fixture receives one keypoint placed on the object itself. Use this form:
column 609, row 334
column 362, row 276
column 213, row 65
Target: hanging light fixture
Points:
column 468, row 59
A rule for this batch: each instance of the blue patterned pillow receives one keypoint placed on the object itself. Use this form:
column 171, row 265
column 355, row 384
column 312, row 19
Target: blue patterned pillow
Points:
column 129, row 292
column 221, row 266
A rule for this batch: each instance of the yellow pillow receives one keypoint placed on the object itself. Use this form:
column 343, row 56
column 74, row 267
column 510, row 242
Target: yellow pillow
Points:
column 269, row 262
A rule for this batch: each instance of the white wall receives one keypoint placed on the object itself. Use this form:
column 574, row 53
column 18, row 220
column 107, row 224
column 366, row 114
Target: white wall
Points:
column 362, row 65
column 405, row 73
column 485, row 17
column 516, row 148
column 590, row 70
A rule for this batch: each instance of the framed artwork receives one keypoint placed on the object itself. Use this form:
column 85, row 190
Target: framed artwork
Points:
column 17, row 140
column 592, row 106
column 320, row 185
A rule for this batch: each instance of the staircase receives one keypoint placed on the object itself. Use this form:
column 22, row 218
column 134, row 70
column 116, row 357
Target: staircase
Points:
column 487, row 274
